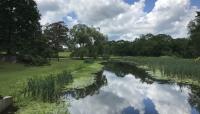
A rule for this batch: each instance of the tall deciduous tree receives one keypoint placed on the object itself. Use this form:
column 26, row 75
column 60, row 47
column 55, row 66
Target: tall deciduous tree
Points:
column 194, row 31
column 57, row 34
column 88, row 41
column 19, row 25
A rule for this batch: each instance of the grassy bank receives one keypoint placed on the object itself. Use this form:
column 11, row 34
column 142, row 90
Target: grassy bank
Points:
column 168, row 68
column 13, row 78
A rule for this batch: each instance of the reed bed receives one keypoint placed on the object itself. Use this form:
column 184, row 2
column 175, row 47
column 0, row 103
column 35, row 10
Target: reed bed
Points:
column 172, row 67
column 48, row 88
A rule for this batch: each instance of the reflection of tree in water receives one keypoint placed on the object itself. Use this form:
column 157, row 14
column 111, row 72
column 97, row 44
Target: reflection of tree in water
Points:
column 194, row 98
column 89, row 90
column 121, row 69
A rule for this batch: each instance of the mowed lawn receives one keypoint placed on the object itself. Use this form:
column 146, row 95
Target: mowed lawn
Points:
column 14, row 76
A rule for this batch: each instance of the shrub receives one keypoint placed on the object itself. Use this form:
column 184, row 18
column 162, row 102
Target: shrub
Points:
column 33, row 60
column 1, row 97
column 89, row 61
column 106, row 57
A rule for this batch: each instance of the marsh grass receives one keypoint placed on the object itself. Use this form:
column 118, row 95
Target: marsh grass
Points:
column 184, row 70
column 48, row 88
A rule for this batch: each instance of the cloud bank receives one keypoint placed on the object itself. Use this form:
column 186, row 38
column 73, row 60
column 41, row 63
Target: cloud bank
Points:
column 120, row 20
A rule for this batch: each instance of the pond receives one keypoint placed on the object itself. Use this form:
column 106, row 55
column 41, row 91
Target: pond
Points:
column 124, row 89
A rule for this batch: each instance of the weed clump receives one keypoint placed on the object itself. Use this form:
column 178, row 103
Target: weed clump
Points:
column 49, row 88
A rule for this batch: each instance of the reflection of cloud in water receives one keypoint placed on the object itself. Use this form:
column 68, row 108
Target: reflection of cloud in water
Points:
column 128, row 95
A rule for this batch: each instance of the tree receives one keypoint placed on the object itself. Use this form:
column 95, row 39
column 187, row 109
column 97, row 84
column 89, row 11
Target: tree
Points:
column 57, row 35
column 19, row 25
column 88, row 41
column 20, row 30
column 194, row 31
column 152, row 45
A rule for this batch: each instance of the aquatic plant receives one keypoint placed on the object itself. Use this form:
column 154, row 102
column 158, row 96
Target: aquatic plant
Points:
column 186, row 70
column 48, row 88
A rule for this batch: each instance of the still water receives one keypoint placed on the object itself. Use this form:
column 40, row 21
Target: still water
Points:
column 125, row 89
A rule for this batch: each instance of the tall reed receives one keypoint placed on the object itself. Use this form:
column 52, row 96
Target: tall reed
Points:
column 48, row 88
column 182, row 69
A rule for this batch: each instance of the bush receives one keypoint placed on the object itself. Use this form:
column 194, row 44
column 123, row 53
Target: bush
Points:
column 89, row 61
column 33, row 60
column 106, row 57
column 1, row 97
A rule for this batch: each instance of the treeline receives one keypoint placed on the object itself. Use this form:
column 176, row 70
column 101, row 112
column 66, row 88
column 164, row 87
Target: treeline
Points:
column 154, row 45
column 161, row 44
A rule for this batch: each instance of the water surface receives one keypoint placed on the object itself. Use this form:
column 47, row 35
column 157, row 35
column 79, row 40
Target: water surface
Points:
column 125, row 89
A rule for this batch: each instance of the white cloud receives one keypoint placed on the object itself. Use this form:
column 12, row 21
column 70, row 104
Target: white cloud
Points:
column 120, row 93
column 117, row 18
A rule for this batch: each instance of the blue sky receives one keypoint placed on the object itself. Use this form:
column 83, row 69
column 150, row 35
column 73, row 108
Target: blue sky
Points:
column 196, row 3
column 148, row 7
column 150, row 4
column 123, row 19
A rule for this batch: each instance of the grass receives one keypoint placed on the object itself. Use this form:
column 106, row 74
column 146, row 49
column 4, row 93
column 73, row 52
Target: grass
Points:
column 85, row 75
column 38, row 107
column 13, row 76
column 64, row 54
column 176, row 69
column 13, row 79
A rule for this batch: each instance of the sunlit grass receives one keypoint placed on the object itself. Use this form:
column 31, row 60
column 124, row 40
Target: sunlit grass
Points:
column 64, row 54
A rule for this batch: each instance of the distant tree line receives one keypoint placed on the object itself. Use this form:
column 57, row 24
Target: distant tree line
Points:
column 161, row 44
column 153, row 45
column 22, row 36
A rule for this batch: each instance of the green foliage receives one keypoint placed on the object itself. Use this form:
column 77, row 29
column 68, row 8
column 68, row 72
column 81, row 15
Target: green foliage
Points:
column 33, row 60
column 152, row 45
column 20, row 31
column 57, row 35
column 106, row 57
column 1, row 97
column 80, row 52
column 87, row 41
column 194, row 30
column 89, row 61
column 19, row 27
column 48, row 88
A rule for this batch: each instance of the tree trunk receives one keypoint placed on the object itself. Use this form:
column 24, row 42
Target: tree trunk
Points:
column 58, row 56
column 9, row 52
